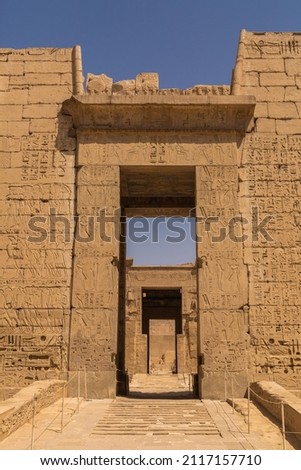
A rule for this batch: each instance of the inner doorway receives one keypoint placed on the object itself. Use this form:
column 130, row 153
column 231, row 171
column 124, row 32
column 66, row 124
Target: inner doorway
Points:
column 162, row 322
column 162, row 347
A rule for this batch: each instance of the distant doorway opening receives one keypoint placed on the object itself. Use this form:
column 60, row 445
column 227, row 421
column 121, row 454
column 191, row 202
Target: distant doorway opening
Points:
column 162, row 322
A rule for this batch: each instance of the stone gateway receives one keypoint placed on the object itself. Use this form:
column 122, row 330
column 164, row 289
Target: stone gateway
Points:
column 75, row 163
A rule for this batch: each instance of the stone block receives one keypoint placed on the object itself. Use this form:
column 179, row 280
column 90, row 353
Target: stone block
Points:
column 35, row 79
column 298, row 82
column 42, row 125
column 276, row 79
column 18, row 409
column 99, row 84
column 66, row 79
column 14, row 128
column 5, row 160
column 293, row 66
column 48, row 94
column 14, row 97
column 10, row 112
column 261, row 110
column 266, row 94
column 4, row 83
column 252, row 79
column 288, row 126
column 38, row 111
column 10, row 144
column 292, row 93
column 48, row 67
column 264, row 65
column 265, row 125
column 147, row 83
column 282, row 110
column 9, row 68
column 41, row 54
column 298, row 106
column 124, row 87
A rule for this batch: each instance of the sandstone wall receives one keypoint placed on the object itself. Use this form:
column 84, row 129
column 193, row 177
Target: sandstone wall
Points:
column 269, row 67
column 249, row 324
column 37, row 155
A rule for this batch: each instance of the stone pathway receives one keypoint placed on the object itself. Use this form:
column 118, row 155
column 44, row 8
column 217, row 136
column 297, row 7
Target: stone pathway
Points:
column 130, row 416
column 80, row 431
column 177, row 385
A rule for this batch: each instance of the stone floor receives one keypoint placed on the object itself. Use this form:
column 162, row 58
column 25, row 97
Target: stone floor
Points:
column 165, row 424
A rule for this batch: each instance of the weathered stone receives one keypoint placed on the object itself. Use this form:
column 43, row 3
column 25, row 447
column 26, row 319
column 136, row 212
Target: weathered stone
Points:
column 282, row 110
column 293, row 66
column 38, row 111
column 261, row 110
column 171, row 91
column 292, row 93
column 14, row 97
column 276, row 79
column 48, row 94
column 11, row 112
column 4, row 83
column 263, row 65
column 98, row 84
column 42, row 125
column 288, row 126
column 124, row 87
column 265, row 125
column 147, row 83
column 266, row 94
column 208, row 90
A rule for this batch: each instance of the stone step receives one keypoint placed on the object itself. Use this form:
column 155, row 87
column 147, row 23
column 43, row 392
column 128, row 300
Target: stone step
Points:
column 127, row 416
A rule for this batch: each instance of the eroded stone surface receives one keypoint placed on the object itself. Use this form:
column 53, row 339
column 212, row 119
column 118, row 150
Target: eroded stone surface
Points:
column 98, row 84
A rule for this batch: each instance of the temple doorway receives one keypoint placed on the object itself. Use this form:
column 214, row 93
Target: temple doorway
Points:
column 162, row 322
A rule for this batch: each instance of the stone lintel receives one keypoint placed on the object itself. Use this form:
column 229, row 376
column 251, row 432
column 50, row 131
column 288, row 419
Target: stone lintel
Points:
column 155, row 112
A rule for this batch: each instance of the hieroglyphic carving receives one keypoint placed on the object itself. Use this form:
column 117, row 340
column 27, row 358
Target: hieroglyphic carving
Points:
column 93, row 339
column 33, row 344
column 269, row 48
column 92, row 199
column 34, row 297
column 39, row 141
column 169, row 150
column 97, row 175
column 38, row 165
column 98, row 277
column 261, row 149
column 224, row 340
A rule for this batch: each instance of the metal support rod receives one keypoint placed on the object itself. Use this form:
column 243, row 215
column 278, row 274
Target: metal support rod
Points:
column 283, row 426
column 249, row 408
column 85, row 383
column 78, row 389
column 225, row 377
column 62, row 410
column 232, row 393
column 33, row 425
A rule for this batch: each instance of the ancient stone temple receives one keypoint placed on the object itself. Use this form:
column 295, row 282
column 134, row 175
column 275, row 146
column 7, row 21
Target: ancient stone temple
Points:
column 75, row 163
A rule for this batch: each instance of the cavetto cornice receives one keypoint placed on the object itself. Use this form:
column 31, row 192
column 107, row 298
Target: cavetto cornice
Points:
column 161, row 112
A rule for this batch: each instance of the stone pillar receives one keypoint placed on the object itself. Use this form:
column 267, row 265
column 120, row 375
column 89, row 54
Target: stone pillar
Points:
column 93, row 341
column 37, row 152
column 222, row 281
column 269, row 68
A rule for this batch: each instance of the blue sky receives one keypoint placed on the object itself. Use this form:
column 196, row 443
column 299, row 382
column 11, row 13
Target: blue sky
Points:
column 187, row 42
